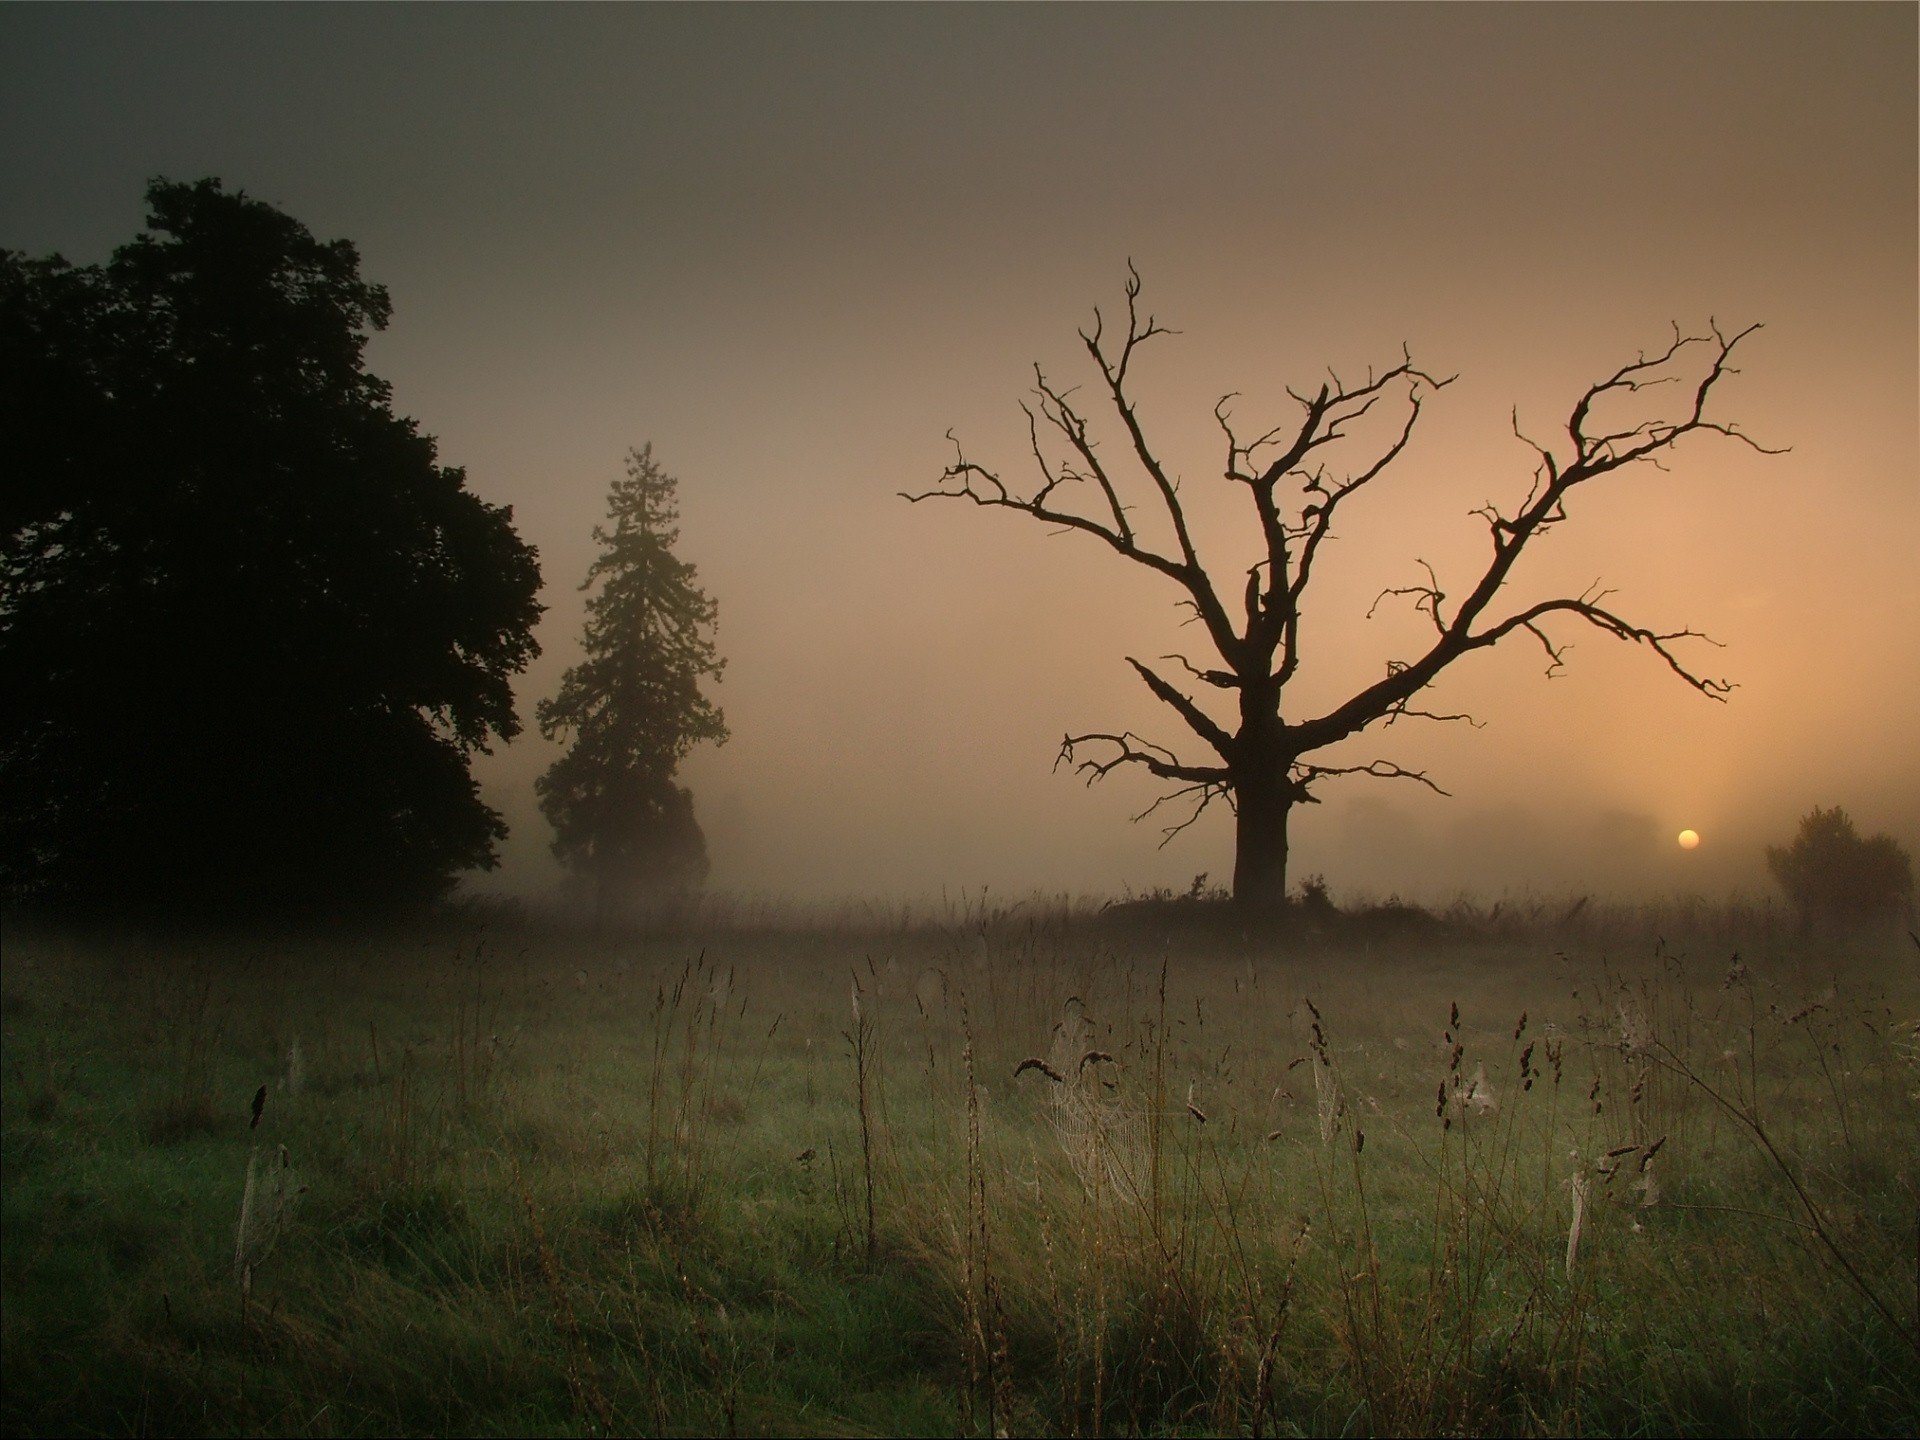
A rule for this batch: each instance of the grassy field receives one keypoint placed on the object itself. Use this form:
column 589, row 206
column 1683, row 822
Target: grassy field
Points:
column 1011, row 1174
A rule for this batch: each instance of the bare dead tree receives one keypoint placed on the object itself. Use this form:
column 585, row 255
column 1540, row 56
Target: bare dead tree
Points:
column 1260, row 766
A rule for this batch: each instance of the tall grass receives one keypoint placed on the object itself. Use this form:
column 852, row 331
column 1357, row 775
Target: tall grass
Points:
column 1036, row 1173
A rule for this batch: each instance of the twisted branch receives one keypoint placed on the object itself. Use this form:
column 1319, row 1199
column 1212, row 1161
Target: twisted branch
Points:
column 1295, row 496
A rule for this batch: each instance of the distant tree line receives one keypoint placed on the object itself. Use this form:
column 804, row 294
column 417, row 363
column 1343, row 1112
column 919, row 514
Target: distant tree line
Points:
column 252, row 631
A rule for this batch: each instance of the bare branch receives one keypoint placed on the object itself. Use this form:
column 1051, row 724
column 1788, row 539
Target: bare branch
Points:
column 1594, row 614
column 1323, row 513
column 1197, row 719
column 1207, row 791
column 1206, row 782
column 1627, row 377
column 985, row 488
column 1224, row 679
column 1400, row 710
column 1427, row 598
column 1315, row 525
column 1596, row 455
column 1194, row 577
column 1137, row 334
column 1237, row 452
column 1548, row 467
column 1054, row 404
column 1130, row 749
column 1304, row 774
column 1612, row 449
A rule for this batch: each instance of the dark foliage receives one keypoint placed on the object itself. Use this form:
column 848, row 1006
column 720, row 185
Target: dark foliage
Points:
column 1831, row 874
column 633, row 705
column 251, row 631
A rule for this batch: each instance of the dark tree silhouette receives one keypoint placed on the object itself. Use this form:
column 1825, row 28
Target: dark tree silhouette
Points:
column 1831, row 874
column 1259, row 760
column 251, row 631
column 633, row 706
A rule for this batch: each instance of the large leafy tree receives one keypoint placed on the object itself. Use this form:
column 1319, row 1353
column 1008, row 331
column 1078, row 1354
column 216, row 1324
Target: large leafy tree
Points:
column 251, row 630
column 633, row 706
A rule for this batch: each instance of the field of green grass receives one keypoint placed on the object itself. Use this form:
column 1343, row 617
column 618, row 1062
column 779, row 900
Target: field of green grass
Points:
column 1003, row 1175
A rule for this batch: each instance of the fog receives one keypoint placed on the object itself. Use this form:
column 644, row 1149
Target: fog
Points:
column 793, row 248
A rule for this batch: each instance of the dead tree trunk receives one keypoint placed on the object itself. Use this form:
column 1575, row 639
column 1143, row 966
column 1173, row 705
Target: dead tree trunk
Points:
column 1261, row 808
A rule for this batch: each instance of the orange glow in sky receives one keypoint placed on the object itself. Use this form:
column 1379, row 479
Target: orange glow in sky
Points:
column 793, row 247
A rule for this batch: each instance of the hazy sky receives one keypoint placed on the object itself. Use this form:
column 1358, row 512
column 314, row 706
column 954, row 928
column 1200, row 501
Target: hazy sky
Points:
column 793, row 247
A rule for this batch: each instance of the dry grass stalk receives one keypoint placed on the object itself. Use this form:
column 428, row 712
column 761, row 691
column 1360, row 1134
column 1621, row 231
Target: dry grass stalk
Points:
column 583, row 1379
column 1270, row 1351
column 1326, row 1091
column 1816, row 1219
column 266, row 1204
column 975, row 1290
column 862, row 1041
column 1578, row 1184
column 246, row 1238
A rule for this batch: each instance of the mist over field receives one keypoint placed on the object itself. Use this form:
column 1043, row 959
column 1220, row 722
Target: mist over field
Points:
column 668, row 767
column 795, row 248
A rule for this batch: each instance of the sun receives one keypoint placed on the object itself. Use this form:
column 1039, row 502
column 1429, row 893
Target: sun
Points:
column 1689, row 839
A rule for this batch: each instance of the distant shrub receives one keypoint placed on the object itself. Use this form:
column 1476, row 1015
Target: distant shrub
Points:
column 1314, row 900
column 1830, row 873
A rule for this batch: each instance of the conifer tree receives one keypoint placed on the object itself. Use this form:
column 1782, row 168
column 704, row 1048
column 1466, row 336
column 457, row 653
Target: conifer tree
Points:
column 633, row 706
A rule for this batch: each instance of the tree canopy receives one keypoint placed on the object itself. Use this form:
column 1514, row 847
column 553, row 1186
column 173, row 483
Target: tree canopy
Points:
column 633, row 705
column 1830, row 873
column 251, row 630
